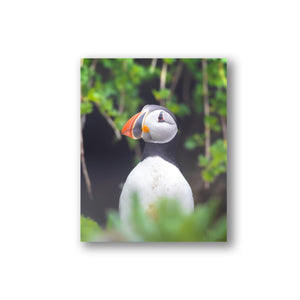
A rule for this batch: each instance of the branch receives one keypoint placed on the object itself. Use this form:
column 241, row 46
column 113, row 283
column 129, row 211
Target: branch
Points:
column 113, row 126
column 175, row 79
column 163, row 76
column 153, row 65
column 93, row 64
column 83, row 163
column 206, row 107
column 224, row 127
column 206, row 112
column 122, row 102
column 122, row 92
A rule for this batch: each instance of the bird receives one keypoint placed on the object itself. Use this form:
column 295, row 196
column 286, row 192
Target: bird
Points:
column 157, row 175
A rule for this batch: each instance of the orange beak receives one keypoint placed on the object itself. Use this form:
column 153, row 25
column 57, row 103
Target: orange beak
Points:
column 133, row 127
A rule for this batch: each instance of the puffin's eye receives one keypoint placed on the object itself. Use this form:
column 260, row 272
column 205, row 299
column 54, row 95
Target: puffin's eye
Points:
column 161, row 117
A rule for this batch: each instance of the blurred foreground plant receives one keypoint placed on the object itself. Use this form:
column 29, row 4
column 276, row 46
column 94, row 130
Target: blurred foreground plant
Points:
column 168, row 224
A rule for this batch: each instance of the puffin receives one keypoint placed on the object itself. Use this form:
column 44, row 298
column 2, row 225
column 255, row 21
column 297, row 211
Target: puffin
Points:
column 157, row 175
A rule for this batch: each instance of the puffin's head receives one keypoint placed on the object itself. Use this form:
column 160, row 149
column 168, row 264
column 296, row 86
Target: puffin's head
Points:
column 154, row 124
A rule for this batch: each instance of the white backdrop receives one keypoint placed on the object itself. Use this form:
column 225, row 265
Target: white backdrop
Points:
column 41, row 43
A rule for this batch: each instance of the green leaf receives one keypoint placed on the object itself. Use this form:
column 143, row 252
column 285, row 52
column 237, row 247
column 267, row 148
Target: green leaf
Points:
column 161, row 94
column 156, row 94
column 107, row 105
column 196, row 140
column 107, row 63
column 208, row 176
column 164, row 93
column 95, row 95
column 203, row 161
column 179, row 110
column 190, row 144
column 132, row 143
column 164, row 221
column 169, row 61
column 90, row 230
column 120, row 120
column 86, row 108
column 215, row 165
column 113, row 220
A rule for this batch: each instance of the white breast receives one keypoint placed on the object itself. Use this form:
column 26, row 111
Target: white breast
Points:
column 152, row 179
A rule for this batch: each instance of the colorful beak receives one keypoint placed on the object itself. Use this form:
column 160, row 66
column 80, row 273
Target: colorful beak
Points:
column 133, row 127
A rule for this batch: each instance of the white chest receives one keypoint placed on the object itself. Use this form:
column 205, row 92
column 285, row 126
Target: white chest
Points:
column 152, row 179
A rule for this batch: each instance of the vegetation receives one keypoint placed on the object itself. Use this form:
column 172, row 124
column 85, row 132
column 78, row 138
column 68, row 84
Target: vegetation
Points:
column 193, row 89
column 169, row 224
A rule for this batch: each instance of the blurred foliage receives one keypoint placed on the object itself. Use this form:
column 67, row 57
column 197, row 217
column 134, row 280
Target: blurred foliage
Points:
column 113, row 86
column 194, row 141
column 90, row 230
column 170, row 224
column 217, row 163
column 116, row 92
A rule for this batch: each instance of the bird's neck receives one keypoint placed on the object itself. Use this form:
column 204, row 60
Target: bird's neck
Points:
column 167, row 151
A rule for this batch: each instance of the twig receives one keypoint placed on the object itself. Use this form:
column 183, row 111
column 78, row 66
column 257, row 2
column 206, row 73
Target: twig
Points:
column 113, row 125
column 224, row 127
column 175, row 79
column 93, row 68
column 153, row 65
column 163, row 76
column 122, row 97
column 93, row 64
column 206, row 113
column 223, row 123
column 122, row 101
column 83, row 163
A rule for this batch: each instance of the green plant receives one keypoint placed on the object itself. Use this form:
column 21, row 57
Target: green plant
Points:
column 90, row 230
column 170, row 224
column 210, row 103
column 217, row 163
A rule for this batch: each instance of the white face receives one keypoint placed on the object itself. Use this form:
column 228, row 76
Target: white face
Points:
column 162, row 127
